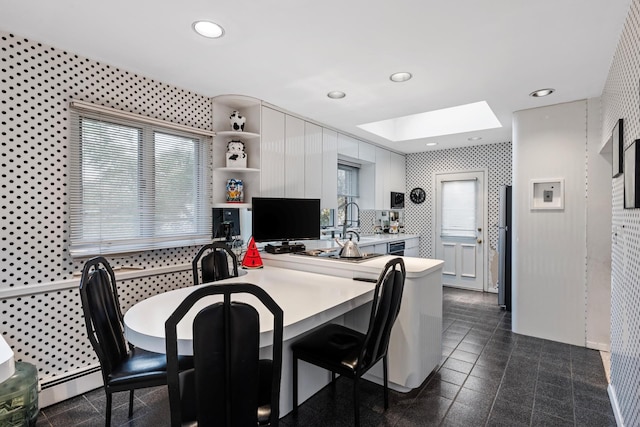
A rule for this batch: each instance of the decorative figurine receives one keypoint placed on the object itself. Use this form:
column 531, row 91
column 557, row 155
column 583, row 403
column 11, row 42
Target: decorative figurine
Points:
column 236, row 157
column 237, row 121
column 235, row 192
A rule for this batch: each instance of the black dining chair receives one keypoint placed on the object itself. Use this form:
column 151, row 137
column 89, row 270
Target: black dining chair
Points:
column 124, row 367
column 351, row 353
column 230, row 385
column 213, row 262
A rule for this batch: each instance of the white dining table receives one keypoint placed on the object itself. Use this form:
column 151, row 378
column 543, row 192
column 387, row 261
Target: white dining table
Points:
column 307, row 299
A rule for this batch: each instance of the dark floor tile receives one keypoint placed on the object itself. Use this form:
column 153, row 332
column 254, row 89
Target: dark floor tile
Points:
column 426, row 411
column 485, row 385
column 465, row 356
column 558, row 408
column 541, row 419
column 520, row 395
column 441, row 388
column 470, row 347
column 480, row 401
column 458, row 365
column 594, row 418
column 81, row 411
column 451, row 376
column 487, row 372
column 509, row 414
column 559, row 380
column 460, row 415
column 562, row 394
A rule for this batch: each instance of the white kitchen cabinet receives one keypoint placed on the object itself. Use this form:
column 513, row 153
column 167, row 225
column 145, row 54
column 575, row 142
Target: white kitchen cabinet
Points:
column 329, row 198
column 412, row 247
column 272, row 153
column 397, row 173
column 382, row 179
column 250, row 108
column 366, row 152
column 348, row 146
column 294, row 157
column 313, row 161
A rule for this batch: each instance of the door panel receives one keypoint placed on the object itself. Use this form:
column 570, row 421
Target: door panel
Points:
column 460, row 212
column 449, row 258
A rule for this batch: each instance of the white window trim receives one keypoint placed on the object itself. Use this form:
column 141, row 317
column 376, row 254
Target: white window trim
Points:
column 87, row 247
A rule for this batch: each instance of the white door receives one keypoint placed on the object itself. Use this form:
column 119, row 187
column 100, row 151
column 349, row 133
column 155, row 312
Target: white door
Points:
column 460, row 228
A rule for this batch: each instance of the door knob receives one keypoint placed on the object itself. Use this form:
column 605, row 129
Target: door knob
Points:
column 479, row 240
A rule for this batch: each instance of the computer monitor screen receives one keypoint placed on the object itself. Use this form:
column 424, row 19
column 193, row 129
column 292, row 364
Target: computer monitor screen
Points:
column 285, row 220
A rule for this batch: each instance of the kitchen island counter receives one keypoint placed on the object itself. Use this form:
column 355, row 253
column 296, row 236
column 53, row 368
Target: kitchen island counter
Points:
column 415, row 347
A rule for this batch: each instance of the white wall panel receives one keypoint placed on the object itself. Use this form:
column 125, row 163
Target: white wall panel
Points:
column 294, row 157
column 549, row 248
column 312, row 161
column 329, row 169
column 272, row 153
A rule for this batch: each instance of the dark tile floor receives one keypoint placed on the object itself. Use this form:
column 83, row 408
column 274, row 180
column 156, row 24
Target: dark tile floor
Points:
column 488, row 376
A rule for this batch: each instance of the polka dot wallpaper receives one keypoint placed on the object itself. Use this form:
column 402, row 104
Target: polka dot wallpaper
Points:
column 36, row 84
column 621, row 100
column 421, row 169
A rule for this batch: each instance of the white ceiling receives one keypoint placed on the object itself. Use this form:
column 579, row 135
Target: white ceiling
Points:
column 290, row 53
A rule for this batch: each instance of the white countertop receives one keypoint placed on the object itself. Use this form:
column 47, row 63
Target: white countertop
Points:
column 365, row 240
column 415, row 267
column 307, row 299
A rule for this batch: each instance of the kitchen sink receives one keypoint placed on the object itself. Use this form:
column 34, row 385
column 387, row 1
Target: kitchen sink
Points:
column 334, row 254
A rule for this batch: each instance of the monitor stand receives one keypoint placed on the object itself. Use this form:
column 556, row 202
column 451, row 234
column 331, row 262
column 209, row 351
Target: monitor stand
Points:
column 285, row 248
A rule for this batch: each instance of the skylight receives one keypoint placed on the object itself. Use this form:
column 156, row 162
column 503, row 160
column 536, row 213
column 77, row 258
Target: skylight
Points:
column 463, row 118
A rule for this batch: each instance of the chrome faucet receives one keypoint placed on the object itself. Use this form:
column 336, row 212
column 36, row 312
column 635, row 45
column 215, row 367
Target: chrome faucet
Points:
column 350, row 221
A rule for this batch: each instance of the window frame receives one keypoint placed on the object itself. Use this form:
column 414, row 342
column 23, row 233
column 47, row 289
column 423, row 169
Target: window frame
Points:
column 146, row 236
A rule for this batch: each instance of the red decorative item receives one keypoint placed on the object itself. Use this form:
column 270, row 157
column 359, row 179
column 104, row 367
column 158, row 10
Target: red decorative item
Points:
column 252, row 258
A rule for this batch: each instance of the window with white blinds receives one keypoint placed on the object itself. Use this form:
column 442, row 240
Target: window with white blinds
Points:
column 459, row 208
column 136, row 186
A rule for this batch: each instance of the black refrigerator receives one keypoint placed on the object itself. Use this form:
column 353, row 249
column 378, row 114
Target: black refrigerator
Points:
column 504, row 248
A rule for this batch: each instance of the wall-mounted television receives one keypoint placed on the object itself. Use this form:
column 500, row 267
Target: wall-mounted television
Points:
column 285, row 220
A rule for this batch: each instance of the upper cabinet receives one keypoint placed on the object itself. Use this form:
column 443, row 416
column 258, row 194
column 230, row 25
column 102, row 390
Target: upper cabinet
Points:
column 273, row 148
column 347, row 146
column 236, row 166
column 397, row 173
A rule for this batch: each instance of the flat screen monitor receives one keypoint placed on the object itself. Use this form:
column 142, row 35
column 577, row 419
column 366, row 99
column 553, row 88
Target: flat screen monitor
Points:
column 285, row 220
column 226, row 222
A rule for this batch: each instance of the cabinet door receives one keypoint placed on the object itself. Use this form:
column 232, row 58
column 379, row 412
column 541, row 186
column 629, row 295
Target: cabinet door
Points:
column 294, row 157
column 272, row 153
column 382, row 177
column 397, row 173
column 312, row 161
column 329, row 169
column 347, row 146
column 366, row 152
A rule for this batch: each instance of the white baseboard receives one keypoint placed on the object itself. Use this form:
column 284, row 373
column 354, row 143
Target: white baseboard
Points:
column 600, row 346
column 68, row 389
column 614, row 405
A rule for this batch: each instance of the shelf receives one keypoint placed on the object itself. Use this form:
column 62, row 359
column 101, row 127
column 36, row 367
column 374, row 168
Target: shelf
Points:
column 232, row 205
column 223, row 169
column 233, row 134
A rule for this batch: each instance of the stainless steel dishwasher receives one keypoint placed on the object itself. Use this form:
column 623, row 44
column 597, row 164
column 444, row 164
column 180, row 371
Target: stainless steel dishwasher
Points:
column 395, row 248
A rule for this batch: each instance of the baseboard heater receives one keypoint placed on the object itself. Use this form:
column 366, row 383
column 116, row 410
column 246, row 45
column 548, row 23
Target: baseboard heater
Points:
column 68, row 376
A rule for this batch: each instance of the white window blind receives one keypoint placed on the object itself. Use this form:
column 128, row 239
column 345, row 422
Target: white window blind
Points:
column 347, row 180
column 459, row 208
column 136, row 185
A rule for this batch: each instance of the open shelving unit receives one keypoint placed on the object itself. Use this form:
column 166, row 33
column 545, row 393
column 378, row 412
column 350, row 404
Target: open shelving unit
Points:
column 250, row 108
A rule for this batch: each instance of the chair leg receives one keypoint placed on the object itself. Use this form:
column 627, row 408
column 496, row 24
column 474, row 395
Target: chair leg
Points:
column 356, row 401
column 107, row 421
column 130, row 403
column 385, row 369
column 295, row 385
column 333, row 382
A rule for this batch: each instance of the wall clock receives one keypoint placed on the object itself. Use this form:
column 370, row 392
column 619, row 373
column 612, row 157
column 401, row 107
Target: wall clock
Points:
column 417, row 195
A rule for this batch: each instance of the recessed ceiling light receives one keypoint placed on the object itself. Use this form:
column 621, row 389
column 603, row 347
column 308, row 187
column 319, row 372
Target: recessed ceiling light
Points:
column 431, row 144
column 336, row 94
column 542, row 92
column 447, row 121
column 400, row 77
column 474, row 138
column 208, row 29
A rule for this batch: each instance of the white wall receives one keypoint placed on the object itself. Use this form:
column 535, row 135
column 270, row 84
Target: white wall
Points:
column 598, row 293
column 550, row 246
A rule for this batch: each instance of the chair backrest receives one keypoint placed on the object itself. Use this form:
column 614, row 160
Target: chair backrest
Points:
column 227, row 366
column 213, row 263
column 384, row 311
column 102, row 314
